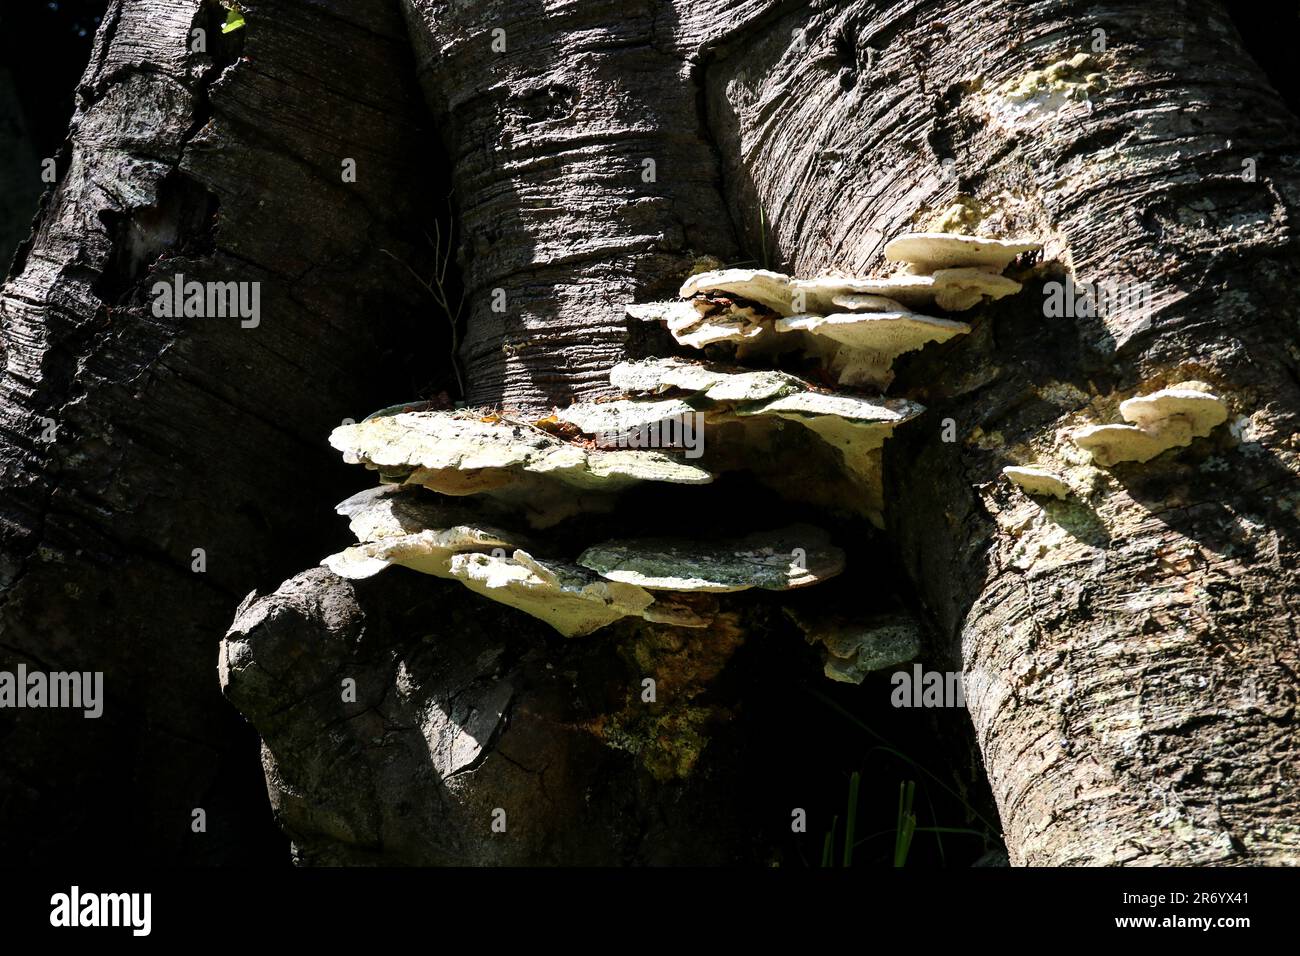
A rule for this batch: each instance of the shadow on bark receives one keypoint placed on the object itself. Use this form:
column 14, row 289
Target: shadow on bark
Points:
column 176, row 434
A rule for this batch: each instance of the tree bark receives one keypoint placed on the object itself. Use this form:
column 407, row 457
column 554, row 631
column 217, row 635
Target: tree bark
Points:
column 1130, row 658
column 171, row 435
column 472, row 737
column 1119, row 723
column 552, row 119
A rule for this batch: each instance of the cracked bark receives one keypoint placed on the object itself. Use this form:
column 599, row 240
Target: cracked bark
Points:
column 1132, row 687
column 175, row 434
column 1104, row 744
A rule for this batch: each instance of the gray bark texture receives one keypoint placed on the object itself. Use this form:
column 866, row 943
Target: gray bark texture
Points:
column 1133, row 682
column 1130, row 656
column 466, row 715
column 177, row 434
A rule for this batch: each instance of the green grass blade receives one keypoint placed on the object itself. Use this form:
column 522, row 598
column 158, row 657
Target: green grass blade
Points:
column 851, row 818
column 906, row 822
column 828, row 847
column 885, row 746
column 894, row 832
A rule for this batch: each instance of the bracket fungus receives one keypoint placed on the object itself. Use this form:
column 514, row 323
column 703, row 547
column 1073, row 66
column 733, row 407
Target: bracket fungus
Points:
column 953, row 290
column 471, row 461
column 870, row 341
column 571, row 599
column 703, row 381
column 442, row 535
column 771, row 289
column 610, row 581
column 956, row 290
column 456, row 454
column 706, row 320
column 864, row 302
column 455, row 481
column 858, row 325
column 620, row 421
column 855, row 648
column 855, row 426
column 396, row 524
column 407, row 526
column 1037, row 481
column 1165, row 419
column 429, row 552
column 927, row 252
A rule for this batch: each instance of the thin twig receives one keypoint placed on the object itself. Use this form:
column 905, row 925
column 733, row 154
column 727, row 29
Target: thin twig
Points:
column 436, row 287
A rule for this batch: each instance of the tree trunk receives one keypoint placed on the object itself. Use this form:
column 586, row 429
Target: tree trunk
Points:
column 1129, row 655
column 1119, row 723
column 129, row 440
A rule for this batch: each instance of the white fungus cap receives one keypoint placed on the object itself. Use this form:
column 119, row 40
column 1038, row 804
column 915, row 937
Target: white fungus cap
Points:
column 954, row 290
column 858, row 302
column 870, row 341
column 771, row 289
column 1037, row 481
column 929, row 251
column 1168, row 418
column 697, row 327
column 1111, row 444
column 957, row 290
column 1190, row 401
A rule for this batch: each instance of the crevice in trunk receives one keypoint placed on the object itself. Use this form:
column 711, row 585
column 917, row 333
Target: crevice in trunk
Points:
column 1271, row 38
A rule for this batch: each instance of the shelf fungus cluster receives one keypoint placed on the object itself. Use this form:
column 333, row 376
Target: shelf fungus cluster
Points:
column 1165, row 419
column 515, row 464
column 857, row 327
column 463, row 495
column 486, row 500
column 751, row 419
column 489, row 472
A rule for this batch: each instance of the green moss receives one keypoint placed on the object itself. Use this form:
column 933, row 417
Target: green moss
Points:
column 1076, row 78
column 705, row 264
column 1078, row 519
column 963, row 216
column 667, row 744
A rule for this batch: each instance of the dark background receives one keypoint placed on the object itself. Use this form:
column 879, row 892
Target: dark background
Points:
column 44, row 46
